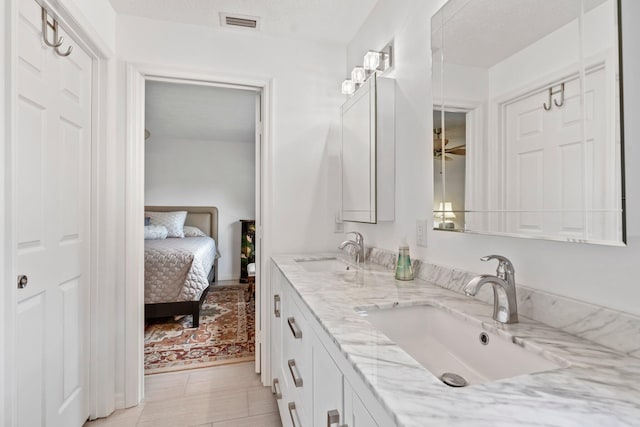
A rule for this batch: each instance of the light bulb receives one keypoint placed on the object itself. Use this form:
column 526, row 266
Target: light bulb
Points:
column 358, row 75
column 372, row 60
column 348, row 87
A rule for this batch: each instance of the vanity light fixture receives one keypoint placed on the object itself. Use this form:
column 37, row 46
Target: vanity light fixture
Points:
column 348, row 87
column 374, row 62
column 358, row 75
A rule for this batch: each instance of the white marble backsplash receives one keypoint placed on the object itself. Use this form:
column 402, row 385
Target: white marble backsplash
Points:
column 614, row 329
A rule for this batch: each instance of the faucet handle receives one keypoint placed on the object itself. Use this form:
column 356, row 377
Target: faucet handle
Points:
column 504, row 265
column 359, row 237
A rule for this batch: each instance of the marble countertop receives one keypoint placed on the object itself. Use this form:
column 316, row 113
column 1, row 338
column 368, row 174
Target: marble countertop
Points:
column 600, row 387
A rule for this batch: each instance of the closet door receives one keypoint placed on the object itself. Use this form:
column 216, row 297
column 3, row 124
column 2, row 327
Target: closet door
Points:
column 550, row 164
column 52, row 178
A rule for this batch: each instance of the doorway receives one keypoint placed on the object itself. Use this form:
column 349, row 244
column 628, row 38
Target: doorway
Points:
column 200, row 153
column 137, row 76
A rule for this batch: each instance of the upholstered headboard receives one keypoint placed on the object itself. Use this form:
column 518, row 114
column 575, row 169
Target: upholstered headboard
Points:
column 203, row 217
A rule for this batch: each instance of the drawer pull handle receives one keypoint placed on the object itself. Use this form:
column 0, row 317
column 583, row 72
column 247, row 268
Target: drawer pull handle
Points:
column 292, row 409
column 296, row 380
column 297, row 333
column 333, row 417
column 276, row 389
column 276, row 305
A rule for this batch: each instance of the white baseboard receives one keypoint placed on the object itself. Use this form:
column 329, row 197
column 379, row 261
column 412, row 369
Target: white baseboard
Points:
column 119, row 400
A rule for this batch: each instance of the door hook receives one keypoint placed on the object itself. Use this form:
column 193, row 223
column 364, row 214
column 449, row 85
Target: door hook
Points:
column 45, row 30
column 555, row 101
column 561, row 97
column 57, row 41
column 550, row 105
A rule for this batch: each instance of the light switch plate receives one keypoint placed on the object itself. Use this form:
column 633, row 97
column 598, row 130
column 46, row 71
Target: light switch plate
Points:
column 338, row 226
column 421, row 233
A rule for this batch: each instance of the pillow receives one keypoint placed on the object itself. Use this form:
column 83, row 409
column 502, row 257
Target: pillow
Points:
column 174, row 221
column 155, row 232
column 190, row 231
column 147, row 220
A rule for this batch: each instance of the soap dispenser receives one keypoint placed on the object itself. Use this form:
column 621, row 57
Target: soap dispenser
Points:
column 404, row 271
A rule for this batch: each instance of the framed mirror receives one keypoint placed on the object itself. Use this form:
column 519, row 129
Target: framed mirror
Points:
column 527, row 117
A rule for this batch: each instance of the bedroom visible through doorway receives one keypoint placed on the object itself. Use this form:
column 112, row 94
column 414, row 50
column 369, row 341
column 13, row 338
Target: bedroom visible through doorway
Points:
column 202, row 181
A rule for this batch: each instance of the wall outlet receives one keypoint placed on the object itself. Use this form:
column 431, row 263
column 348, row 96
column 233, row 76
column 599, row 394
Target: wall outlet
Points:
column 338, row 225
column 421, row 233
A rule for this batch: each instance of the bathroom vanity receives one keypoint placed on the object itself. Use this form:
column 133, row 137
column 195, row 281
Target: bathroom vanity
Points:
column 343, row 353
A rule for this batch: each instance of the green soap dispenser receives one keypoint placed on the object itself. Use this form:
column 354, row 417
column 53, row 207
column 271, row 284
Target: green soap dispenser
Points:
column 404, row 271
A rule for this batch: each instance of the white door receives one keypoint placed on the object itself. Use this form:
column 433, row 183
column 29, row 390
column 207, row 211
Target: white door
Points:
column 549, row 164
column 52, row 210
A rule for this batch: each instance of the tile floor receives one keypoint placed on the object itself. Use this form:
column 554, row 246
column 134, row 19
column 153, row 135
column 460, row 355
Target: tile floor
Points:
column 221, row 396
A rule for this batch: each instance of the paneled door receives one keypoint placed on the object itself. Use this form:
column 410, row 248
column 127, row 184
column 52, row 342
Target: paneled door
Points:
column 52, row 223
column 550, row 165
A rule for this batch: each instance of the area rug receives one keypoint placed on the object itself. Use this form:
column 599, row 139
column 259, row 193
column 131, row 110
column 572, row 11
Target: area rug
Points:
column 226, row 333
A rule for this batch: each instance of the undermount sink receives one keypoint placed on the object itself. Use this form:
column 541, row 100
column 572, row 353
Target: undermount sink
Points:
column 446, row 344
column 325, row 265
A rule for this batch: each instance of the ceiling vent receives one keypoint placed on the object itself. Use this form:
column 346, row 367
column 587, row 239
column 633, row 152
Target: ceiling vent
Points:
column 239, row 21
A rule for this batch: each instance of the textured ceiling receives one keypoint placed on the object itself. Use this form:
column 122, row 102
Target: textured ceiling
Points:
column 185, row 111
column 334, row 21
column 484, row 32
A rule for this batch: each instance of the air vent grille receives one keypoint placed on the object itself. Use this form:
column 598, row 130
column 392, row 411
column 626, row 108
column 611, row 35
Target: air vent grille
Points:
column 239, row 21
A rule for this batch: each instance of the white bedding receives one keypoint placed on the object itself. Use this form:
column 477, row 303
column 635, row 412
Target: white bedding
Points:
column 176, row 269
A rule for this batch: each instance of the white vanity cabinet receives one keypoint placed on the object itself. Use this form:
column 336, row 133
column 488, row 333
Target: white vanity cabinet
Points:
column 275, row 342
column 313, row 382
column 327, row 389
column 355, row 413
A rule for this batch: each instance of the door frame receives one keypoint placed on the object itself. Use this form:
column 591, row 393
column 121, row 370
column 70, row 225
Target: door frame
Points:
column 101, row 370
column 136, row 76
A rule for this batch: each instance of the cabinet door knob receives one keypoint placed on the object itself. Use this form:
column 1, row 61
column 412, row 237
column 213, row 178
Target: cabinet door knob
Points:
column 297, row 333
column 276, row 389
column 296, row 379
column 276, row 305
column 23, row 280
column 292, row 409
column 333, row 417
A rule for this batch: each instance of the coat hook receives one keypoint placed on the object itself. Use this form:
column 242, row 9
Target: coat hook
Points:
column 561, row 97
column 550, row 105
column 555, row 101
column 57, row 48
column 57, row 41
column 45, row 30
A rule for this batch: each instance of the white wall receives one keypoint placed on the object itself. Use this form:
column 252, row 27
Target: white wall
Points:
column 597, row 274
column 306, row 80
column 205, row 173
column 554, row 53
column 98, row 14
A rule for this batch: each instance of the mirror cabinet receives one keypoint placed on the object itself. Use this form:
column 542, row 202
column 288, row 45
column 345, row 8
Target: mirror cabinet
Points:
column 367, row 160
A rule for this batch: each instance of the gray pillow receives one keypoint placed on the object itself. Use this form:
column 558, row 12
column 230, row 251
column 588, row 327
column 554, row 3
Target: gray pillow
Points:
column 174, row 221
column 155, row 232
column 190, row 231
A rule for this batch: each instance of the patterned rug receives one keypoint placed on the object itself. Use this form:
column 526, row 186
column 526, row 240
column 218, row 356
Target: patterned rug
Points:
column 226, row 333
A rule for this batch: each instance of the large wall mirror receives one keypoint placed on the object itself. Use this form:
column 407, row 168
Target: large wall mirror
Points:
column 527, row 137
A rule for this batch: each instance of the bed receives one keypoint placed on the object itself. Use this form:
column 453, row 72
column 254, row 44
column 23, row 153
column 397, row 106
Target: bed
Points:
column 179, row 271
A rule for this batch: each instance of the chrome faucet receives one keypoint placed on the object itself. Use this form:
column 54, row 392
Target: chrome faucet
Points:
column 505, row 304
column 357, row 243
